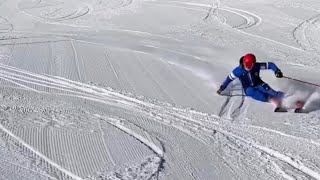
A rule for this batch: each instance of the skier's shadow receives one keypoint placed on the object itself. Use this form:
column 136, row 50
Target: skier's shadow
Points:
column 234, row 109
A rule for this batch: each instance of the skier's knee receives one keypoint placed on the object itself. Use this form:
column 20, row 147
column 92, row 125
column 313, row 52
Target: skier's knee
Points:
column 250, row 91
column 280, row 94
column 255, row 94
column 263, row 98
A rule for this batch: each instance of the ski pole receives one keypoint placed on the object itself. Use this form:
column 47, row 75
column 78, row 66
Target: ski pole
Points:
column 231, row 95
column 301, row 81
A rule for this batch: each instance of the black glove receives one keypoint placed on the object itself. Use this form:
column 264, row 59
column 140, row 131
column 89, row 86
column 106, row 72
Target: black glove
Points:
column 278, row 74
column 220, row 90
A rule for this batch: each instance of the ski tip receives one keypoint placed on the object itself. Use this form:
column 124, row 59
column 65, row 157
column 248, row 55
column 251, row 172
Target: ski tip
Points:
column 280, row 109
column 300, row 110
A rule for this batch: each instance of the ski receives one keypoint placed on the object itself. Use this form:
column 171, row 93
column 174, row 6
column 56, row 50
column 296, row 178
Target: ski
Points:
column 298, row 108
column 280, row 109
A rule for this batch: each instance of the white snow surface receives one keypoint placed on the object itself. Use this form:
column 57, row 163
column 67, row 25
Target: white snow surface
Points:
column 126, row 89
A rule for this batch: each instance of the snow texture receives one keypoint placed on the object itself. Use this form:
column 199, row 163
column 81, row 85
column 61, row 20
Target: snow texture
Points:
column 123, row 89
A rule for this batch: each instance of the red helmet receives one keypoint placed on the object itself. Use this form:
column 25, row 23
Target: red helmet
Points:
column 248, row 61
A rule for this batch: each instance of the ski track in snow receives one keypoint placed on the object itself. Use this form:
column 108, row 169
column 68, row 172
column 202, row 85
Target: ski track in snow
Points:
column 145, row 141
column 39, row 154
column 65, row 88
column 56, row 17
column 5, row 26
column 61, row 13
column 301, row 35
column 250, row 19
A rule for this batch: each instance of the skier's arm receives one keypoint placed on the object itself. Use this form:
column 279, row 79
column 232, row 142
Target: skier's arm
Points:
column 269, row 65
column 232, row 76
column 273, row 67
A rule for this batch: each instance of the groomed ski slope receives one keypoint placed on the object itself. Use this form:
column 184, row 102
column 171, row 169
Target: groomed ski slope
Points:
column 126, row 89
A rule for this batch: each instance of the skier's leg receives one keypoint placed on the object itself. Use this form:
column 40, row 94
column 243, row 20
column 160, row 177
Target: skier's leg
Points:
column 265, row 88
column 274, row 97
column 256, row 94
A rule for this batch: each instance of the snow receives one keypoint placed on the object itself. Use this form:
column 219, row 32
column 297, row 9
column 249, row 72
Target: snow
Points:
column 123, row 89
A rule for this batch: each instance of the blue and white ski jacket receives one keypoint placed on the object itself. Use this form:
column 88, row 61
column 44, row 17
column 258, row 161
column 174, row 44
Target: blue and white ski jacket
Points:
column 249, row 78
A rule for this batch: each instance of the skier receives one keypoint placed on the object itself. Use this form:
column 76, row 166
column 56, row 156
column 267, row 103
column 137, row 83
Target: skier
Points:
column 248, row 73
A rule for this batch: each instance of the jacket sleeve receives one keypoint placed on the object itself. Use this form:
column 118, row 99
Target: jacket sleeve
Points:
column 268, row 65
column 232, row 76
